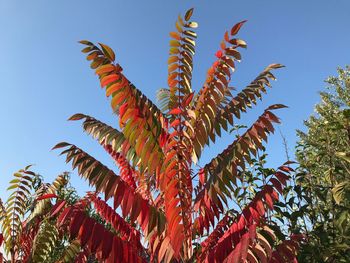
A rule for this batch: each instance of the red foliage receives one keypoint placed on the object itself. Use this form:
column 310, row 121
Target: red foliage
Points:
column 98, row 240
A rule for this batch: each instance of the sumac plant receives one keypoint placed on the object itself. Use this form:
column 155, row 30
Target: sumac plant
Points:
column 163, row 207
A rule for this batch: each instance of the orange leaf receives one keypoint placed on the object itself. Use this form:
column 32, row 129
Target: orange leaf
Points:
column 104, row 69
column 116, row 100
column 113, row 88
column 173, row 67
column 226, row 37
column 173, row 59
column 109, row 79
column 175, row 35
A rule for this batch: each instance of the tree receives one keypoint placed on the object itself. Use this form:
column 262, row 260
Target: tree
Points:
column 323, row 154
column 172, row 211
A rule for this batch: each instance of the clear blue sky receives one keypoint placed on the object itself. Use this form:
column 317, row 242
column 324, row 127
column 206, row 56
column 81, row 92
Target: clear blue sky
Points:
column 44, row 78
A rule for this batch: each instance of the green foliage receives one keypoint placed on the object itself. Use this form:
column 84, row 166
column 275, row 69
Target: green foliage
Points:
column 70, row 252
column 45, row 241
column 323, row 153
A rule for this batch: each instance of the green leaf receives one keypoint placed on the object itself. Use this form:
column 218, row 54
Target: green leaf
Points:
column 339, row 191
column 12, row 186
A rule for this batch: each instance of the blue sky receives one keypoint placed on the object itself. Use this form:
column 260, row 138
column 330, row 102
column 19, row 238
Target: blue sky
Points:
column 44, row 78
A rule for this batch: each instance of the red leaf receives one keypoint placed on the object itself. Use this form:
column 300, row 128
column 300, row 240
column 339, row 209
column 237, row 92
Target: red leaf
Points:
column 130, row 202
column 175, row 123
column 57, row 207
column 254, row 213
column 117, row 250
column 85, row 231
column 201, row 176
column 276, row 106
column 272, row 117
column 282, row 177
column 123, row 109
column 268, row 200
column 245, row 244
column 260, row 207
column 219, row 54
column 241, row 223
column 162, row 139
column 107, row 243
column 286, row 169
column 126, row 251
column 96, row 237
column 237, row 27
column 215, row 64
column 274, row 195
column 118, row 194
column 76, row 223
column 248, row 215
column 175, row 111
column 188, row 99
column 46, row 196
column 252, row 232
column 67, row 212
column 277, row 185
